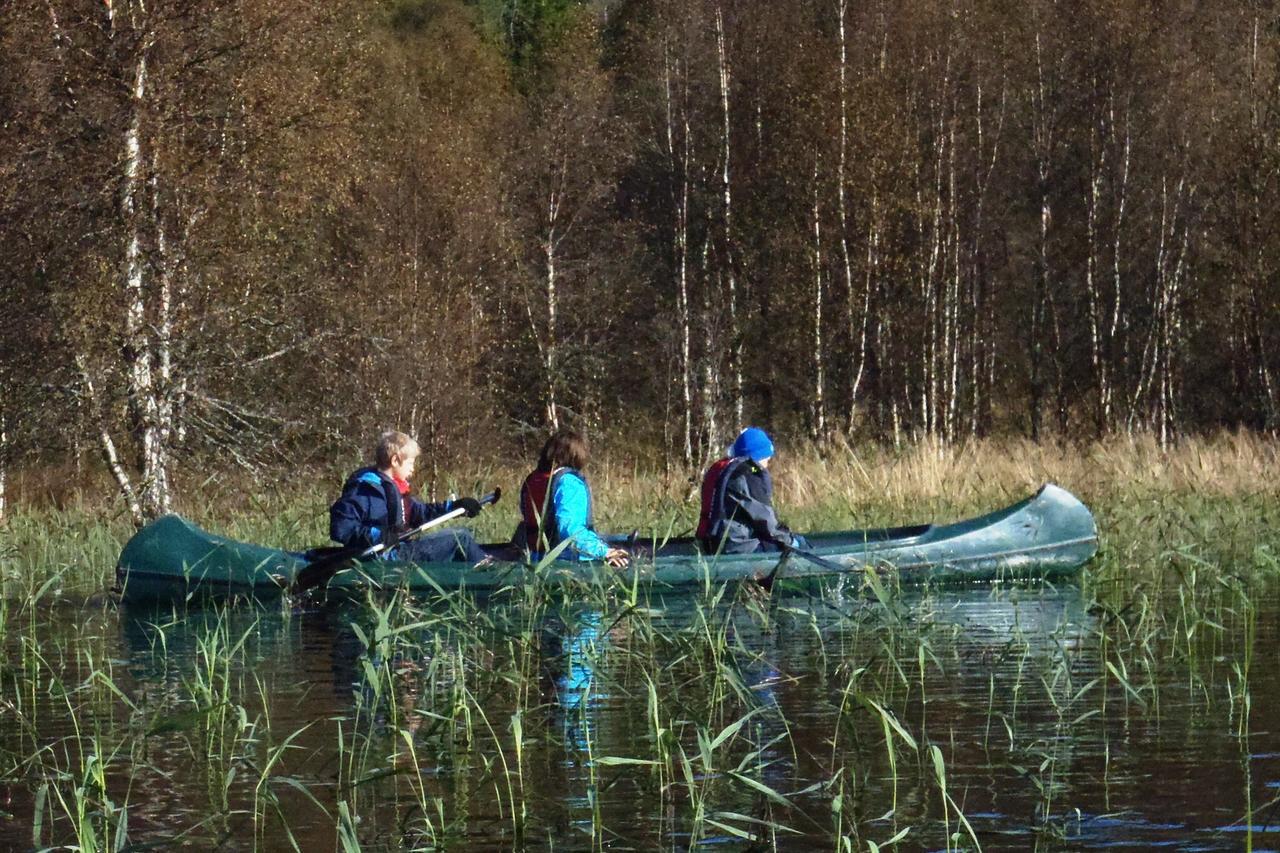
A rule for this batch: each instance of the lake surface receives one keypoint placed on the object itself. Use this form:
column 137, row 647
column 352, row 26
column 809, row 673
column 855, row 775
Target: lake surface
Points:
column 1045, row 717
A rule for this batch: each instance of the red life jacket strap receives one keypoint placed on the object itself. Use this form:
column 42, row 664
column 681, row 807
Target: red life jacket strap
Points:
column 536, row 510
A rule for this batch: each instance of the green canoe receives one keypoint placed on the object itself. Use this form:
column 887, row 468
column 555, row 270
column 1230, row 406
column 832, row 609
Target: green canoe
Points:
column 1048, row 535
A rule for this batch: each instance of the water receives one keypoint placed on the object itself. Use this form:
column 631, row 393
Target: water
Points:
column 1062, row 721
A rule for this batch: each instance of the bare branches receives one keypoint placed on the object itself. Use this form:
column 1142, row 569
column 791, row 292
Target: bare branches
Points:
column 239, row 226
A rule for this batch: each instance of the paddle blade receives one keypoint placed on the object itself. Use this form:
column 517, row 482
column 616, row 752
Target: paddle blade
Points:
column 317, row 574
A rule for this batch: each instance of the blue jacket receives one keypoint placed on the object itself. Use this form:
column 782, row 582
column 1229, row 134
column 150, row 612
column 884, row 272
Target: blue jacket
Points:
column 571, row 502
column 371, row 510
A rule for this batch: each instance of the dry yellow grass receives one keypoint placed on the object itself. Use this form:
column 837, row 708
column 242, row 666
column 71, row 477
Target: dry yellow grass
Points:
column 1214, row 495
column 840, row 486
column 1227, row 464
column 834, row 486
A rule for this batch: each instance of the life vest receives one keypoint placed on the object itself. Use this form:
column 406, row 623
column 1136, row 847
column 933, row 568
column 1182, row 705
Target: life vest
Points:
column 537, row 509
column 712, row 519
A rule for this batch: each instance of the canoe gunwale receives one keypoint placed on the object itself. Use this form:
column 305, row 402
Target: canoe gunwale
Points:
column 996, row 555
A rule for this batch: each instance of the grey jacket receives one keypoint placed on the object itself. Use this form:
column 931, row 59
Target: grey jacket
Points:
column 750, row 518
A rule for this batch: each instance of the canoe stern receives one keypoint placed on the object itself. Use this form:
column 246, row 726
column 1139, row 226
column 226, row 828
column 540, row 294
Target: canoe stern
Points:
column 171, row 558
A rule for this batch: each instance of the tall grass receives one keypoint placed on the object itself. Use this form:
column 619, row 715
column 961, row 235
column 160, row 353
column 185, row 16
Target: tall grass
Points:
column 1128, row 481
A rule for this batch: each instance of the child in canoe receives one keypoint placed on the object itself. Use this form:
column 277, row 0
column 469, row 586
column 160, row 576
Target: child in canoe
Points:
column 555, row 503
column 376, row 507
column 737, row 501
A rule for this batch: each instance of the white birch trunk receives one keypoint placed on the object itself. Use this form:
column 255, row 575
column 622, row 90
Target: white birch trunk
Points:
column 549, row 351
column 952, row 336
column 710, row 391
column 1157, row 378
column 550, row 245
column 857, row 359
column 1151, row 349
column 1097, row 357
column 163, row 346
column 1042, row 140
column 735, row 336
column 140, row 348
column 979, row 344
column 4, row 461
column 871, row 280
column 933, row 278
column 1173, row 323
column 680, row 252
column 1116, row 311
column 108, row 446
column 1259, row 117
column 710, row 364
column 819, row 402
column 686, row 321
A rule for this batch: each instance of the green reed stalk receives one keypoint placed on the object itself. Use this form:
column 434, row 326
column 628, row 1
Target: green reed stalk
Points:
column 948, row 803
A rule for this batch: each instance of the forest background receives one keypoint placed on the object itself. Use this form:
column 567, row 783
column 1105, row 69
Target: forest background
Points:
column 250, row 234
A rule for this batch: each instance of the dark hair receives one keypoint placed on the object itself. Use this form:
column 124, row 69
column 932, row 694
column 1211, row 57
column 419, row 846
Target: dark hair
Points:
column 566, row 448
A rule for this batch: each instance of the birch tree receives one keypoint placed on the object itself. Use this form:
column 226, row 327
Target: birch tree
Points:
column 675, row 88
column 1043, row 134
column 857, row 312
column 728, row 249
column 1255, row 179
column 569, row 169
column 819, row 415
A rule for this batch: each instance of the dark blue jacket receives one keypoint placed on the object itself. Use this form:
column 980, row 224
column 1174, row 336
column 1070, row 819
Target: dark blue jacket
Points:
column 371, row 510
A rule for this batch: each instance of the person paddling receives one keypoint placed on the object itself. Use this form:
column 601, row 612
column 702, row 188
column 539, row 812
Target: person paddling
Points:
column 555, row 504
column 376, row 506
column 737, row 514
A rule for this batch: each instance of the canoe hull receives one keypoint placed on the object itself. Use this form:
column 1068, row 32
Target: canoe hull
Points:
column 1048, row 535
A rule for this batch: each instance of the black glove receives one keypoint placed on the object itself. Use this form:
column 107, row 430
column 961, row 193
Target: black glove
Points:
column 471, row 505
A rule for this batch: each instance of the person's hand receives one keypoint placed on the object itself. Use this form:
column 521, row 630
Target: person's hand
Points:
column 617, row 558
column 471, row 505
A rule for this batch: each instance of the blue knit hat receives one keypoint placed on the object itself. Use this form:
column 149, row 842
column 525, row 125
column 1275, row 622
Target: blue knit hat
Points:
column 753, row 442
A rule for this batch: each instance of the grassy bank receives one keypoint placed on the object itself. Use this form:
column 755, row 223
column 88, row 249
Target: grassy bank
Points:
column 1210, row 496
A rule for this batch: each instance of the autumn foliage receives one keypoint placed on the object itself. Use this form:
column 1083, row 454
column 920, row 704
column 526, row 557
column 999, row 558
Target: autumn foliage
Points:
column 237, row 232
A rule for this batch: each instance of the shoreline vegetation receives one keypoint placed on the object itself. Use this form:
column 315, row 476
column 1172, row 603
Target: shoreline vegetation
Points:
column 247, row 231
column 851, row 719
column 974, row 718
column 1214, row 495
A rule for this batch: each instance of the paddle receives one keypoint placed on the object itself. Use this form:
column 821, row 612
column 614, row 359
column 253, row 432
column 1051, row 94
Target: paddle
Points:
column 768, row 580
column 318, row 573
column 816, row 560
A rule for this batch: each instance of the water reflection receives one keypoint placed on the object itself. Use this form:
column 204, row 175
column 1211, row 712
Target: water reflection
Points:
column 571, row 650
column 1059, row 728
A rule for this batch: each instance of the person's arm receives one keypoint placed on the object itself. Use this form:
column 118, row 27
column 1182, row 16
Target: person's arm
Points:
column 572, row 503
column 760, row 515
column 352, row 520
column 420, row 512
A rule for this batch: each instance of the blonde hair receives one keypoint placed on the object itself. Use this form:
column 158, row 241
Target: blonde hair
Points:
column 391, row 443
